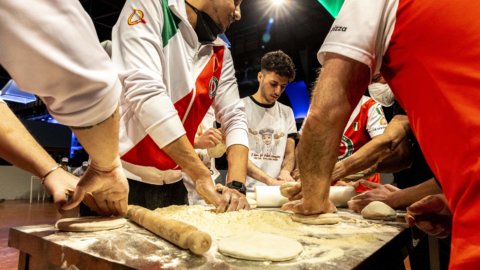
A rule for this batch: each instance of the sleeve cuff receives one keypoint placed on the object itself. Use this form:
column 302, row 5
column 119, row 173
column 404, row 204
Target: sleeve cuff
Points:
column 166, row 131
column 237, row 136
column 347, row 51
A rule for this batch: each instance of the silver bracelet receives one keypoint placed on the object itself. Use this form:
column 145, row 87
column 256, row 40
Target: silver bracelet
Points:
column 49, row 172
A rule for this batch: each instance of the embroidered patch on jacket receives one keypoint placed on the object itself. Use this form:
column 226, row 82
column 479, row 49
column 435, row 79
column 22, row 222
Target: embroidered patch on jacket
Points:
column 212, row 87
column 136, row 17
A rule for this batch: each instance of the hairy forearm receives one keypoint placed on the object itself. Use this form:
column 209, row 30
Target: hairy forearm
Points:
column 182, row 152
column 237, row 156
column 389, row 152
column 405, row 197
column 367, row 156
column 19, row 147
column 256, row 173
column 400, row 159
column 288, row 163
column 101, row 142
column 338, row 90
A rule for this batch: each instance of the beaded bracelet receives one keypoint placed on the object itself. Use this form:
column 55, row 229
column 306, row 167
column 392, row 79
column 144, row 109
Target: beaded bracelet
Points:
column 49, row 172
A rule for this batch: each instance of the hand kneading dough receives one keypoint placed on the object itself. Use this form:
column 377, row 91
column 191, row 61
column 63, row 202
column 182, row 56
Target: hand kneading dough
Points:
column 286, row 186
column 321, row 219
column 378, row 210
column 258, row 246
column 340, row 195
column 90, row 224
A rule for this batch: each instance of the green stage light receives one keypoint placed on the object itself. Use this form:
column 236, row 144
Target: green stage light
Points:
column 332, row 6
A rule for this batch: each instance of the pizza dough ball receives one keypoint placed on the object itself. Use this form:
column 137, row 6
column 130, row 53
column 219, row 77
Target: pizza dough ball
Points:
column 217, row 151
column 378, row 210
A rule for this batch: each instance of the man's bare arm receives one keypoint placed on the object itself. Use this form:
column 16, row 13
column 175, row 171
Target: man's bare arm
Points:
column 388, row 152
column 20, row 148
column 337, row 92
column 104, row 179
column 288, row 164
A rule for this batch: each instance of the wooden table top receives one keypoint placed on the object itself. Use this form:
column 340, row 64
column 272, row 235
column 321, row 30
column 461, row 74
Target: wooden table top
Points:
column 354, row 243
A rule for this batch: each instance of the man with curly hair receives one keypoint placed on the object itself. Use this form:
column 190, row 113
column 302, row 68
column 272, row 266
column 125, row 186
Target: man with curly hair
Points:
column 271, row 125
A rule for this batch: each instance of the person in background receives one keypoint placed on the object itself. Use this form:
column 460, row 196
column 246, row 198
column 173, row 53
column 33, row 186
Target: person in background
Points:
column 68, row 69
column 173, row 68
column 271, row 125
column 64, row 164
column 435, row 82
column 81, row 170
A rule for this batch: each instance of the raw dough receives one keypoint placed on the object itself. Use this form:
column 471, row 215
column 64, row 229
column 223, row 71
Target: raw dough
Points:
column 340, row 195
column 378, row 210
column 258, row 246
column 90, row 224
column 269, row 196
column 217, row 151
column 286, row 186
column 321, row 219
column 252, row 203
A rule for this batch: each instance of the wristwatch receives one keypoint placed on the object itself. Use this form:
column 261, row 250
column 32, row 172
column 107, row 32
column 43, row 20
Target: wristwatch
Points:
column 237, row 185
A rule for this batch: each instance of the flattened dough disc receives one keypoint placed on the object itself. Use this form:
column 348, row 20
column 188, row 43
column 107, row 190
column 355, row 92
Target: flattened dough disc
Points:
column 90, row 224
column 321, row 219
column 258, row 246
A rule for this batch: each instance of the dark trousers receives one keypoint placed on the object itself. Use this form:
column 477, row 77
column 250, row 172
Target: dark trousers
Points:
column 155, row 196
column 150, row 196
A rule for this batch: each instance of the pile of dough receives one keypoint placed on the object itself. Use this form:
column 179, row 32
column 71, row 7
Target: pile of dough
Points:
column 285, row 187
column 378, row 210
column 320, row 219
column 251, row 199
column 258, row 246
column 90, row 224
column 340, row 195
column 269, row 196
column 217, row 151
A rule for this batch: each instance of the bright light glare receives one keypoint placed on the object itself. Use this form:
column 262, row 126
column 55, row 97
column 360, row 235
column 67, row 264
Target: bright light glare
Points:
column 278, row 2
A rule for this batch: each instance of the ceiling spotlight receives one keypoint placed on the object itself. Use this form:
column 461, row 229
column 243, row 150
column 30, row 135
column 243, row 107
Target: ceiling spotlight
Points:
column 278, row 2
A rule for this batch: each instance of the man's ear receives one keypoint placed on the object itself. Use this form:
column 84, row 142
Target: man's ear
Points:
column 260, row 76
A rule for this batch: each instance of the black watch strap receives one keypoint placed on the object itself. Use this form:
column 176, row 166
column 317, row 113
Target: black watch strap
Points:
column 237, row 185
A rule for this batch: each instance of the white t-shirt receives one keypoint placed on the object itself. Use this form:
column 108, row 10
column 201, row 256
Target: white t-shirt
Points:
column 268, row 131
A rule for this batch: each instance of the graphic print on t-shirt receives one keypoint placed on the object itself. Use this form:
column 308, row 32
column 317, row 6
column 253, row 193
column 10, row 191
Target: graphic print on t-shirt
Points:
column 265, row 143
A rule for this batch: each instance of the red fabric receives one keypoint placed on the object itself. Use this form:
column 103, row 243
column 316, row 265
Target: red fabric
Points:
column 355, row 136
column 433, row 66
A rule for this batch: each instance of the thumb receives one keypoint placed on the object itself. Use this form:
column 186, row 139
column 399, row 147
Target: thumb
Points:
column 429, row 204
column 77, row 198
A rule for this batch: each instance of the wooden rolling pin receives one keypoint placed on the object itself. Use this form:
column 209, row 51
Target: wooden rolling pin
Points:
column 179, row 233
